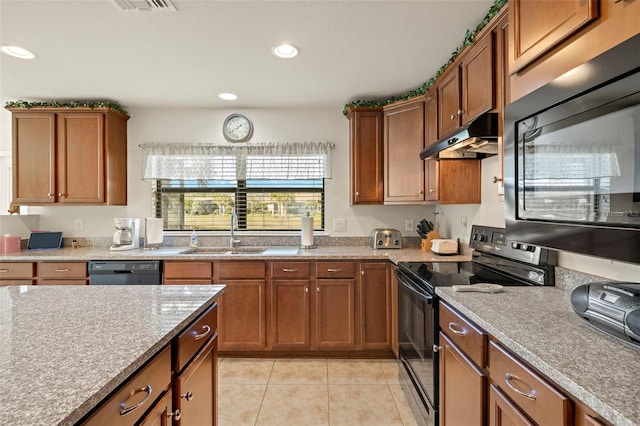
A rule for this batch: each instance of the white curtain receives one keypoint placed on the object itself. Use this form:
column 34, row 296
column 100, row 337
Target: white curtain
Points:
column 201, row 161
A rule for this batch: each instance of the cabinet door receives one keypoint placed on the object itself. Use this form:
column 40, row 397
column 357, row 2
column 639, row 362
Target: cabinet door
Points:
column 460, row 182
column 162, row 412
column 403, row 141
column 432, row 177
column 290, row 314
column 478, row 79
column 462, row 388
column 335, row 308
column 503, row 93
column 432, row 180
column 537, row 26
column 502, row 412
column 34, row 146
column 375, row 305
column 365, row 129
column 449, row 102
column 195, row 388
column 80, row 154
column 242, row 315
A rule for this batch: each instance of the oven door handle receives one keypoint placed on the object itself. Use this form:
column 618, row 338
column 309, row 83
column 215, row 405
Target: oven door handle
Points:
column 407, row 284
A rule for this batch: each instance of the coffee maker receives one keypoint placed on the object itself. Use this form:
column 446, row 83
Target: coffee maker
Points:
column 127, row 235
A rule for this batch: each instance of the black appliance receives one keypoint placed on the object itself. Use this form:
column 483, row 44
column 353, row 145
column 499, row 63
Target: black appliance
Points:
column 119, row 272
column 572, row 150
column 497, row 260
column 611, row 307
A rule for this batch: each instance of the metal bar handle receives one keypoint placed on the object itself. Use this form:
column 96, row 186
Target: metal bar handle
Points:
column 289, row 270
column 124, row 411
column 334, row 269
column 6, row 270
column 63, row 270
column 207, row 330
column 457, row 329
column 508, row 377
column 408, row 286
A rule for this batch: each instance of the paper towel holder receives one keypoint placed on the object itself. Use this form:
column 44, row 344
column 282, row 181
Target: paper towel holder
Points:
column 147, row 245
column 302, row 236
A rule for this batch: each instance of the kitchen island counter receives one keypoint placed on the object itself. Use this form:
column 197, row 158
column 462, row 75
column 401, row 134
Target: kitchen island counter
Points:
column 65, row 348
column 539, row 325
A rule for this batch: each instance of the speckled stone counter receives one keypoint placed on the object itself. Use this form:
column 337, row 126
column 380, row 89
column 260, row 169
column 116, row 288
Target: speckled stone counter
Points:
column 173, row 253
column 64, row 348
column 539, row 325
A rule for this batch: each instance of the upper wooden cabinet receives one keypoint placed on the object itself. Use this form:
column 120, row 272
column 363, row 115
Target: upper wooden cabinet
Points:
column 366, row 152
column 403, row 141
column 537, row 26
column 459, row 181
column 69, row 156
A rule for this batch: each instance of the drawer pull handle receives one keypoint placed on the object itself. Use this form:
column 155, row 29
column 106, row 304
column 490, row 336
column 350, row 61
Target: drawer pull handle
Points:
column 6, row 270
column 124, row 411
column 188, row 396
column 334, row 270
column 508, row 377
column 207, row 330
column 63, row 270
column 457, row 329
column 289, row 270
column 176, row 415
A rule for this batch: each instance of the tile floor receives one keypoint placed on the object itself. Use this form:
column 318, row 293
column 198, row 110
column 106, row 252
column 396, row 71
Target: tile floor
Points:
column 315, row 392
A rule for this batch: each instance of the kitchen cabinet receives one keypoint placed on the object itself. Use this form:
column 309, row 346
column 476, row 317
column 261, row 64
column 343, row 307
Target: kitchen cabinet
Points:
column 375, row 304
column 161, row 413
column 460, row 181
column 366, row 155
column 503, row 96
column 462, row 361
column 187, row 272
column 58, row 273
column 404, row 176
column 504, row 412
column 17, row 273
column 335, row 305
column 290, row 305
column 69, row 156
column 432, row 171
column 243, row 305
column 549, row 39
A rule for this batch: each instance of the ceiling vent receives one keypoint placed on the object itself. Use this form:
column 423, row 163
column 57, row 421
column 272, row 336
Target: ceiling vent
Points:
column 145, row 5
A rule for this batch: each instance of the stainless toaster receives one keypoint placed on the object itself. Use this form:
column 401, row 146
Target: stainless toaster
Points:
column 386, row 238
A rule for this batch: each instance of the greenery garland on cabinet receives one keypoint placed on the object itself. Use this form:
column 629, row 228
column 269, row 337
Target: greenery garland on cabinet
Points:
column 73, row 104
column 468, row 41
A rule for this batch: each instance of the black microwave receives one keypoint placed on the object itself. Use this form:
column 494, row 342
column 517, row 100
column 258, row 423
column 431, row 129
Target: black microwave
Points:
column 572, row 159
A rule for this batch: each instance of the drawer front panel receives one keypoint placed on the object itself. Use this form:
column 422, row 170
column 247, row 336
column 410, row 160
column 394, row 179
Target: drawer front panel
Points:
column 141, row 390
column 466, row 336
column 335, row 269
column 290, row 270
column 62, row 269
column 527, row 389
column 16, row 270
column 187, row 270
column 200, row 332
column 241, row 270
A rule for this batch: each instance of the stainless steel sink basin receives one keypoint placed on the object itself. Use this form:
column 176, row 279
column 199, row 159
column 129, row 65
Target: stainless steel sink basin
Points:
column 225, row 250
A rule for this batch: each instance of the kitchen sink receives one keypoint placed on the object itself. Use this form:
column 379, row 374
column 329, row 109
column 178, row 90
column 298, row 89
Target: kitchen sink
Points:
column 225, row 250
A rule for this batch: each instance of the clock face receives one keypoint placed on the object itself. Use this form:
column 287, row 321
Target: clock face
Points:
column 237, row 128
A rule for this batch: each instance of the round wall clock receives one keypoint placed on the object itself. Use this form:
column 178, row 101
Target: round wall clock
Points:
column 237, row 128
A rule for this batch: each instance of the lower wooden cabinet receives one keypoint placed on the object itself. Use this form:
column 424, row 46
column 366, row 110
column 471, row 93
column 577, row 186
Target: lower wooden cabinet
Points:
column 503, row 412
column 17, row 273
column 242, row 315
column 187, row 272
column 375, row 304
column 162, row 412
column 290, row 302
column 58, row 273
column 335, row 314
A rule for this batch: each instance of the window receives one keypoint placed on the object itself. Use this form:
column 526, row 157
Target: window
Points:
column 268, row 186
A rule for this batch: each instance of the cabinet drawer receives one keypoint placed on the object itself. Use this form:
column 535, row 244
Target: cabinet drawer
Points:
column 187, row 270
column 194, row 337
column 290, row 269
column 17, row 270
column 141, row 390
column 68, row 281
column 527, row 389
column 465, row 335
column 241, row 270
column 335, row 269
column 62, row 269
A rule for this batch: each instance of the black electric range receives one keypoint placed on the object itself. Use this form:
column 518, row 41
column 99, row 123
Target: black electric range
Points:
column 496, row 260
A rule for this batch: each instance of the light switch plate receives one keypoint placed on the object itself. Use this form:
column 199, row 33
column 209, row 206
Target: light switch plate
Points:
column 339, row 225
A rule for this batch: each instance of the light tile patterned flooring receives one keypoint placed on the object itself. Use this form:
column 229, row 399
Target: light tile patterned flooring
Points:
column 315, row 392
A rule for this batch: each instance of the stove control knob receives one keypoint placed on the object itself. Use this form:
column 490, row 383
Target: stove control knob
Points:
column 379, row 242
column 515, row 245
column 396, row 242
column 524, row 247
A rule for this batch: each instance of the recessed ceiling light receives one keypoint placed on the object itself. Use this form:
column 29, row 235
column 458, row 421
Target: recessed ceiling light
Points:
column 18, row 52
column 285, row 51
column 228, row 96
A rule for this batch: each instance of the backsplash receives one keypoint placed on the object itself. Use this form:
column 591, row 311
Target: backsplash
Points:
column 568, row 279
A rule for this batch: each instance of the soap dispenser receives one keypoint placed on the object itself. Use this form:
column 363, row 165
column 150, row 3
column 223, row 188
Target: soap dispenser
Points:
column 194, row 239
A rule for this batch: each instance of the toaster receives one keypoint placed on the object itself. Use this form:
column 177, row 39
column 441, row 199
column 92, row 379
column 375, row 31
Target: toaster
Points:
column 444, row 247
column 386, row 238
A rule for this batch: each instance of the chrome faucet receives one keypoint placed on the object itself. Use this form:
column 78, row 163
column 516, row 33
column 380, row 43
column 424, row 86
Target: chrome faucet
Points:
column 234, row 225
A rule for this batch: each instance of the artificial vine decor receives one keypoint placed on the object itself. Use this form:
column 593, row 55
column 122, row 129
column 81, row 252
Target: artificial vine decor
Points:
column 68, row 105
column 468, row 40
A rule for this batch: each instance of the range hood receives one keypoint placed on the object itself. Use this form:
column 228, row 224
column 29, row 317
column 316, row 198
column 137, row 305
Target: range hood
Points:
column 477, row 139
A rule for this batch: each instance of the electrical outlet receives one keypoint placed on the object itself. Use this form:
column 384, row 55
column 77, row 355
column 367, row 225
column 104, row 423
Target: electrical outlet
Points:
column 339, row 225
column 463, row 221
column 79, row 224
column 408, row 225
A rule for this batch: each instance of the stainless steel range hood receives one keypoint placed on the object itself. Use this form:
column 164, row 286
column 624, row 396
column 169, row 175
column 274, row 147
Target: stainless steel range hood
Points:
column 477, row 139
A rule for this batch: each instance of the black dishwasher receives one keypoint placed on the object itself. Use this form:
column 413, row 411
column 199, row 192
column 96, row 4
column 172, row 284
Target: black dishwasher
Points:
column 117, row 272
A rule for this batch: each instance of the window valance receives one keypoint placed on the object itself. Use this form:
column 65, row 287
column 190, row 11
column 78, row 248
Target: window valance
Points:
column 203, row 161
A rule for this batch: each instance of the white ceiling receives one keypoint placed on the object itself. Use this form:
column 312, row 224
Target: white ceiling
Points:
column 92, row 50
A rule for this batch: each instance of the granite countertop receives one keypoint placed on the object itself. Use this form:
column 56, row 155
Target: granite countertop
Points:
column 65, row 348
column 540, row 326
column 172, row 253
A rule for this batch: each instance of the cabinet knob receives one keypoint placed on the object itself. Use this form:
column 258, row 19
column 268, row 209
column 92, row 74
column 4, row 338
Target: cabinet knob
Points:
column 437, row 348
column 453, row 116
column 362, row 273
column 188, row 396
column 460, row 112
column 431, row 190
column 61, row 194
column 318, row 289
column 176, row 415
column 496, row 179
column 420, row 192
column 357, row 193
column 50, row 194
column 306, row 289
